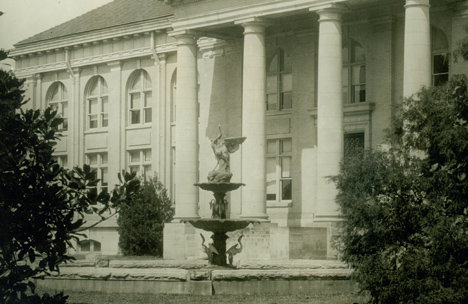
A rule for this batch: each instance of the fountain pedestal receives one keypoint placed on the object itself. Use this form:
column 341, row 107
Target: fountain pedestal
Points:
column 220, row 227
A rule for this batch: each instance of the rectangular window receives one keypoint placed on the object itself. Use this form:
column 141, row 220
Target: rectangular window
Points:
column 440, row 69
column 353, row 144
column 99, row 161
column 135, row 105
column 147, row 107
column 279, row 170
column 139, row 161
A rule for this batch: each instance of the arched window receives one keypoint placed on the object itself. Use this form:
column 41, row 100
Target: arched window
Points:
column 97, row 103
column 57, row 99
column 279, row 82
column 90, row 246
column 354, row 72
column 140, row 98
column 440, row 63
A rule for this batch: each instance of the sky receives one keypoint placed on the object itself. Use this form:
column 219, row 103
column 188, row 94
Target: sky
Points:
column 22, row 19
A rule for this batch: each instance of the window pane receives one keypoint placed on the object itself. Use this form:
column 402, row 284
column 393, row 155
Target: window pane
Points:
column 359, row 93
column 104, row 177
column 271, row 169
column 135, row 119
column 147, row 80
column 85, row 246
column 286, row 62
column 137, row 83
column 358, row 53
column 55, row 94
column 273, row 65
column 93, row 106
column 285, row 167
column 271, row 147
column 147, row 155
column 286, row 189
column 286, row 146
column 439, row 40
column 148, row 115
column 134, row 169
column 104, row 89
column 271, row 190
column 345, row 94
column 148, row 99
column 440, row 64
column 147, row 171
column 104, row 159
column 94, row 88
column 105, row 120
column 64, row 92
column 272, row 100
column 286, row 100
column 344, row 75
column 104, row 104
column 134, row 156
column 64, row 109
column 64, row 161
column 286, row 82
column 345, row 54
column 65, row 124
column 440, row 79
column 93, row 121
column 272, row 84
column 92, row 159
column 97, row 246
column 359, row 74
column 135, row 101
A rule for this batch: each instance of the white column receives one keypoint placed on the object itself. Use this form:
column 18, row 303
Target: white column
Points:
column 253, row 121
column 330, row 108
column 186, row 198
column 417, row 49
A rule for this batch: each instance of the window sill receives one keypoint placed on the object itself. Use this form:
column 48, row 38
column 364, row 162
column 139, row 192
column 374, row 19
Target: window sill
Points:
column 279, row 113
column 350, row 109
column 139, row 127
column 96, row 131
column 287, row 204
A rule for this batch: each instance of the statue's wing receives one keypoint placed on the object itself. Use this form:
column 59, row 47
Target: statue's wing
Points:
column 232, row 143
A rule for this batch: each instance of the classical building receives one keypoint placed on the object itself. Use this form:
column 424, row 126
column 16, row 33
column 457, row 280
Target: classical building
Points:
column 144, row 84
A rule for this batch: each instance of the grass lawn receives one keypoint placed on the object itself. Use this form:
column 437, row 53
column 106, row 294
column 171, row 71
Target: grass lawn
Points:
column 121, row 298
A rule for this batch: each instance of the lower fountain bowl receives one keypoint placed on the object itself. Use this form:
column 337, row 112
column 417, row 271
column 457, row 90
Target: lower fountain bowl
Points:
column 221, row 225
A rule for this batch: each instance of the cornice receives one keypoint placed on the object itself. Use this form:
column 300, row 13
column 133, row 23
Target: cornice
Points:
column 161, row 24
column 94, row 60
column 232, row 15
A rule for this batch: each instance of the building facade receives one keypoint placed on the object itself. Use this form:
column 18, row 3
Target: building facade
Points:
column 143, row 86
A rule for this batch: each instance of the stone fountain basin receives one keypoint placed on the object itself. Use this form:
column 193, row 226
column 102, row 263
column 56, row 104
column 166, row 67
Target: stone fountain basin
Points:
column 221, row 225
column 219, row 187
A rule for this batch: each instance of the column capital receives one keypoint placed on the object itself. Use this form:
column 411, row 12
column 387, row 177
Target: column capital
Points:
column 329, row 11
column 253, row 21
column 416, row 3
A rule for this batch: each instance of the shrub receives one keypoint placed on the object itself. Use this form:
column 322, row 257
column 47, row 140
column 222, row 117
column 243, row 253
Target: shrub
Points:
column 42, row 205
column 406, row 208
column 141, row 220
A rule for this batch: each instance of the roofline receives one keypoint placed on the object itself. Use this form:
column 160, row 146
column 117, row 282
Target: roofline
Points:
column 159, row 23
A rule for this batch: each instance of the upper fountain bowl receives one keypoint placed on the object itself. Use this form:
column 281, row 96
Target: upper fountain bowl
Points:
column 221, row 187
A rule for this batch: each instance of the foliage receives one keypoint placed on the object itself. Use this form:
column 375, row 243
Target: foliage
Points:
column 141, row 220
column 405, row 208
column 42, row 205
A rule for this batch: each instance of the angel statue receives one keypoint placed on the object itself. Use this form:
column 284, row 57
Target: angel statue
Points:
column 222, row 149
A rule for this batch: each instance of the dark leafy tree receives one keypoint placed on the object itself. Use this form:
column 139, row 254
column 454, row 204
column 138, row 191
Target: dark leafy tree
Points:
column 141, row 220
column 42, row 205
column 405, row 208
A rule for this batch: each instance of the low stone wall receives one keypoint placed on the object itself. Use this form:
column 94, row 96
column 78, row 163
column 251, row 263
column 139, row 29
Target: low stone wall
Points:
column 196, row 277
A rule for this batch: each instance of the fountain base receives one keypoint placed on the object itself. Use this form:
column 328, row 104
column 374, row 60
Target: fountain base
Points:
column 217, row 254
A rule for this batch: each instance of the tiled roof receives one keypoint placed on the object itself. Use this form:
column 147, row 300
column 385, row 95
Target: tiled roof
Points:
column 118, row 12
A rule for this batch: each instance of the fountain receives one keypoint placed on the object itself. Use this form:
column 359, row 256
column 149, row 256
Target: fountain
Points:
column 219, row 182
